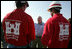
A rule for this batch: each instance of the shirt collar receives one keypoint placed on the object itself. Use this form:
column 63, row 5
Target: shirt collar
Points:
column 40, row 24
column 57, row 15
column 20, row 10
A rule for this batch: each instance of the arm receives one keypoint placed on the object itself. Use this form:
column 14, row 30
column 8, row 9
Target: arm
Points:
column 47, row 34
column 31, row 30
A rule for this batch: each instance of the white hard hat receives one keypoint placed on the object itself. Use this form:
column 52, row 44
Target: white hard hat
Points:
column 54, row 4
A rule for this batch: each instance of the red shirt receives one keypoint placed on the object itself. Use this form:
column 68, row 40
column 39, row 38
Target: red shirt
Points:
column 18, row 28
column 56, row 32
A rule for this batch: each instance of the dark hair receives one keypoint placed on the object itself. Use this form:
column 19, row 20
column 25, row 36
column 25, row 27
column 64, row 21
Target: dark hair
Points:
column 56, row 10
column 19, row 4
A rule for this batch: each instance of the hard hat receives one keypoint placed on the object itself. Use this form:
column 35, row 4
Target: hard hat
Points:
column 22, row 2
column 54, row 4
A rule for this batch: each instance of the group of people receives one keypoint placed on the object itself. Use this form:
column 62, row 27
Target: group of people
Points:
column 20, row 31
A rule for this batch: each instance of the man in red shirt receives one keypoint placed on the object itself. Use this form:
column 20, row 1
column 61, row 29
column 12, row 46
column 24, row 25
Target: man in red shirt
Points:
column 57, row 29
column 18, row 27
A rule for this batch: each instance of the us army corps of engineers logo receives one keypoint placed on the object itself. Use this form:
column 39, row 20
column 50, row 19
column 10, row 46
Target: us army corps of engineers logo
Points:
column 64, row 31
column 12, row 30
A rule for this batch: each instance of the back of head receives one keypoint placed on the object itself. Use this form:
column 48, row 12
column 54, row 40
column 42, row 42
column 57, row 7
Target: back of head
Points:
column 19, row 4
column 56, row 9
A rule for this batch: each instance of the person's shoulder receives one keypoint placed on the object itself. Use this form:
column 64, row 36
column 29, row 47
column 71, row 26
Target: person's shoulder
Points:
column 7, row 15
column 35, row 24
column 43, row 23
column 49, row 20
column 28, row 16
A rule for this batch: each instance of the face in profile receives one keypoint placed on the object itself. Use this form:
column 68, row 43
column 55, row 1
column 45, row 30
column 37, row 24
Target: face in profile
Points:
column 51, row 14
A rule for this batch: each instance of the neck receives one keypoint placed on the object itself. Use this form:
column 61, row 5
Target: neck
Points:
column 55, row 13
column 23, row 8
column 40, row 23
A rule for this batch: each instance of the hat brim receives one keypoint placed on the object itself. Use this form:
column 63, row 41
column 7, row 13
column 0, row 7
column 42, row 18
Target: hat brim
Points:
column 54, row 7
